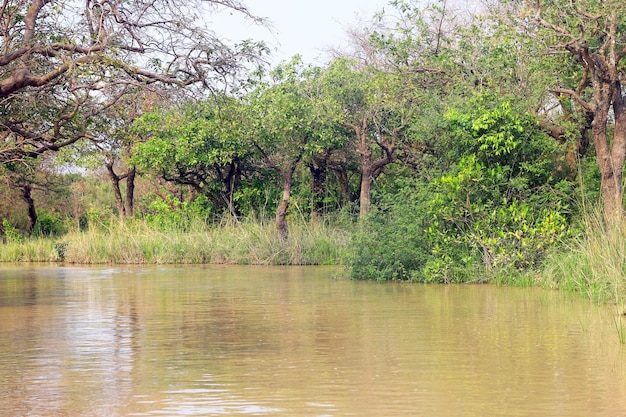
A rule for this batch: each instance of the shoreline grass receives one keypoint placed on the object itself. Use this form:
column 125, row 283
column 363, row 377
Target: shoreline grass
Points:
column 233, row 242
column 593, row 264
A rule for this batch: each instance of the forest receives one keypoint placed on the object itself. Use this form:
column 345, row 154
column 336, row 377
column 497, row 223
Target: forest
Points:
column 438, row 146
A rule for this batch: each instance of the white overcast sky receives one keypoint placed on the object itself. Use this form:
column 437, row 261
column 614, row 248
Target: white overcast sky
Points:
column 305, row 27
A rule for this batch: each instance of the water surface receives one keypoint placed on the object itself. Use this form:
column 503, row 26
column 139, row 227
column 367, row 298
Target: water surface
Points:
column 211, row 341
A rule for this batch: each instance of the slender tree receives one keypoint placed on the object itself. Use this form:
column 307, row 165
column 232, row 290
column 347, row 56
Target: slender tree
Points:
column 289, row 126
column 376, row 111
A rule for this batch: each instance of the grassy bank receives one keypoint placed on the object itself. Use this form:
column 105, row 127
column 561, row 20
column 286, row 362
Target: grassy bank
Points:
column 592, row 264
column 136, row 242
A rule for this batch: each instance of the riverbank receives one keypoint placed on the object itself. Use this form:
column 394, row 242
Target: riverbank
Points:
column 591, row 264
column 136, row 242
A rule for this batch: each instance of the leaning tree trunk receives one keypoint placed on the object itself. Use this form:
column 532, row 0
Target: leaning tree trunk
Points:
column 32, row 212
column 115, row 182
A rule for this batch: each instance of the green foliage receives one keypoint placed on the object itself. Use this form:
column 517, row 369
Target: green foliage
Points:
column 48, row 224
column 11, row 234
column 494, row 211
column 176, row 216
column 502, row 137
column 291, row 118
column 390, row 243
column 199, row 144
column 470, row 210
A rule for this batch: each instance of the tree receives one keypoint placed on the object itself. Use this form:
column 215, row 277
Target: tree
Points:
column 198, row 144
column 380, row 89
column 291, row 125
column 376, row 108
column 28, row 178
column 116, row 139
column 62, row 63
column 592, row 33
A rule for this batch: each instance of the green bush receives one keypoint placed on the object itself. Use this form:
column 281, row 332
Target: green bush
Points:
column 497, row 209
column 11, row 233
column 176, row 216
column 390, row 244
column 48, row 224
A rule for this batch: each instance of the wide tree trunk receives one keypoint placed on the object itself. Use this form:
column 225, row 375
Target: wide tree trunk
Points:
column 366, row 186
column 610, row 159
column 32, row 212
column 366, row 167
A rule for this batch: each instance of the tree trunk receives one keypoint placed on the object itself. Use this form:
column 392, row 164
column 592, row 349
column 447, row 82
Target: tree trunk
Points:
column 318, row 168
column 130, row 191
column 610, row 163
column 283, row 205
column 618, row 154
column 115, row 182
column 231, row 182
column 344, row 184
column 366, row 186
column 32, row 213
column 370, row 169
column 366, row 167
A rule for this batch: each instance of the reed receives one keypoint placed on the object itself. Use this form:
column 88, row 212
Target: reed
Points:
column 229, row 241
column 29, row 250
column 619, row 328
column 592, row 264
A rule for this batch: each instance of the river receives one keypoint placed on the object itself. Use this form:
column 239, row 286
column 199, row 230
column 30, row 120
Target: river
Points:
column 297, row 341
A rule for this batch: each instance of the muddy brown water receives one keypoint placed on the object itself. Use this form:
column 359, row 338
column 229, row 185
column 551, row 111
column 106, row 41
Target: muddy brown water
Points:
column 297, row 341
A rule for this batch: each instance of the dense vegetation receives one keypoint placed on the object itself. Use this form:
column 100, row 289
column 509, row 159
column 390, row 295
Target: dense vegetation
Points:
column 444, row 147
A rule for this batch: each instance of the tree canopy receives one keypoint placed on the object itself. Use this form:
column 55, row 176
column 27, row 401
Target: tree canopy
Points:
column 63, row 63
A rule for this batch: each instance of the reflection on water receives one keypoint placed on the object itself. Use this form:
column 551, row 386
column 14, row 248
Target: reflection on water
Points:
column 211, row 341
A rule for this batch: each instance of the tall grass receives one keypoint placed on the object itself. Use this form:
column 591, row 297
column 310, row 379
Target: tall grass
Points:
column 230, row 241
column 36, row 249
column 593, row 264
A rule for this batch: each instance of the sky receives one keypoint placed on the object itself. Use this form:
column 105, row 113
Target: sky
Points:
column 302, row 27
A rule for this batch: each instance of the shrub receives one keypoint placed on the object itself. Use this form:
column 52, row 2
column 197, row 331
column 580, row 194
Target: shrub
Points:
column 494, row 211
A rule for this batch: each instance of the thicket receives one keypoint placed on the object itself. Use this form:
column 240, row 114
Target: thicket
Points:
column 498, row 209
